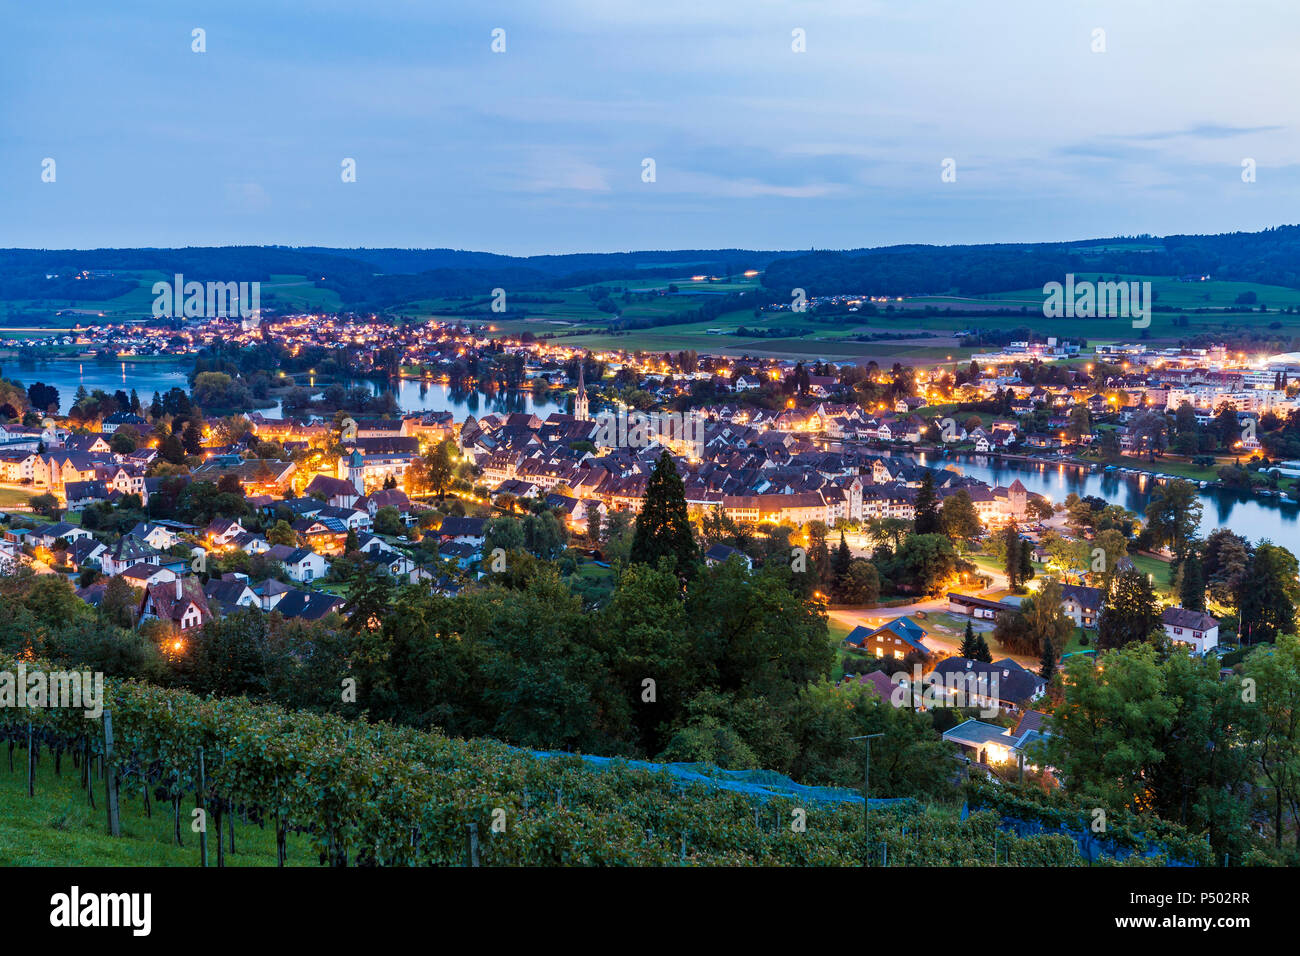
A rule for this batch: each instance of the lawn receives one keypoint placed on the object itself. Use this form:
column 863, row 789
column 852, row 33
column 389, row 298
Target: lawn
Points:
column 9, row 497
column 1172, row 466
column 1157, row 568
column 59, row 828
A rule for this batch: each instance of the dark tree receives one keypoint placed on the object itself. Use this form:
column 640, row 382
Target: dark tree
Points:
column 840, row 565
column 1047, row 666
column 1011, row 564
column 968, row 643
column 1268, row 594
column 1026, row 562
column 662, row 527
column 43, row 397
column 1192, row 593
column 1131, row 614
column 927, row 507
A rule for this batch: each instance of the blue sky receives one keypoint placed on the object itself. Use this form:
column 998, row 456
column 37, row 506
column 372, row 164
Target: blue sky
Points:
column 539, row 149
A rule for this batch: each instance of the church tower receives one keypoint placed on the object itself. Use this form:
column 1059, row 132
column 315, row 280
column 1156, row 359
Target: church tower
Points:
column 580, row 411
column 357, row 472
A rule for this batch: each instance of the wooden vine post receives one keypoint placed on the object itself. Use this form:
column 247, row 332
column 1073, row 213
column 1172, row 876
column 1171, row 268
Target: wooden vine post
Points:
column 31, row 763
column 203, row 816
column 471, row 844
column 110, row 791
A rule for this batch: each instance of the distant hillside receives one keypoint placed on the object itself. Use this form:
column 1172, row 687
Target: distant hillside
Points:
column 1271, row 257
column 375, row 279
column 364, row 279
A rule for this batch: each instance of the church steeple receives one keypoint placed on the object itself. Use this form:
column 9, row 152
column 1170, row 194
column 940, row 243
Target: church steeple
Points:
column 580, row 400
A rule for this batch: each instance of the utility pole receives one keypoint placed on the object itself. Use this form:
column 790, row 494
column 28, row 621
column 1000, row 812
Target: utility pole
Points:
column 866, row 795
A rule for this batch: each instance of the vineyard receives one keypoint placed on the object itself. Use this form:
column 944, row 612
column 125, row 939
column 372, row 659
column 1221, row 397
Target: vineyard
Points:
column 377, row 795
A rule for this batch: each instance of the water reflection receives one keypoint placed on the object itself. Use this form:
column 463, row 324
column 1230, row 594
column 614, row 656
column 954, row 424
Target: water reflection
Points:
column 1243, row 513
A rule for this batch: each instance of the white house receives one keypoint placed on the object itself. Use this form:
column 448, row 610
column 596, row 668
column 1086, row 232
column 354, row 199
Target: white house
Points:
column 301, row 564
column 1196, row 629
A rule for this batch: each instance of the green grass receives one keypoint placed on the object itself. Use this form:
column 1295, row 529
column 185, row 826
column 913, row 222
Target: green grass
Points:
column 838, row 629
column 1168, row 466
column 289, row 291
column 1158, row 569
column 1075, row 643
column 14, row 496
column 591, row 572
column 59, row 828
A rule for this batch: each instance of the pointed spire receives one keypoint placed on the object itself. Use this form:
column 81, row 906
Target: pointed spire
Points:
column 580, row 399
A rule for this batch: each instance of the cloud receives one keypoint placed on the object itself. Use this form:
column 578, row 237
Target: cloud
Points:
column 1203, row 131
column 247, row 197
column 546, row 171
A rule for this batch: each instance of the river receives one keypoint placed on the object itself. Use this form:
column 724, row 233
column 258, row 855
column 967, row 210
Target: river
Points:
column 158, row 376
column 1244, row 514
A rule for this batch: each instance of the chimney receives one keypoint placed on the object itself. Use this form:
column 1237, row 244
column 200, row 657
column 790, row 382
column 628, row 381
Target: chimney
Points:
column 180, row 588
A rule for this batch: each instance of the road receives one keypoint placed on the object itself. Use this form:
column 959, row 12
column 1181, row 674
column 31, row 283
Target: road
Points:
column 936, row 640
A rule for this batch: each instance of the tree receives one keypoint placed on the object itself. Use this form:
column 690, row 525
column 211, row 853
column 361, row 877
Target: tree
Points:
column 1011, row 563
column 1173, row 515
column 982, row 653
column 388, row 520
column 1274, row 716
column 861, row 585
column 1026, row 562
column 1113, row 546
column 959, row 519
column 1080, row 422
column 45, row 504
column 840, row 565
column 228, row 658
column 172, row 449
column 925, row 562
column 1047, row 663
column 439, row 468
column 1079, row 513
column 282, row 533
column 369, row 597
column 505, row 533
column 662, row 526
column 125, row 440
column 1045, row 617
column 44, row 398
column 192, row 439
column 1104, row 733
column 1191, row 594
column 926, row 507
column 967, row 648
column 120, row 602
column 1226, row 560
column 545, row 535
column 902, row 760
column 1038, row 621
column 1131, row 614
column 1268, row 594
column 889, row 531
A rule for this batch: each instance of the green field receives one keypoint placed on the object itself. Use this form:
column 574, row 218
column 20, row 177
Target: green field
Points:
column 13, row 496
column 29, row 318
column 1157, row 569
column 59, row 828
column 923, row 326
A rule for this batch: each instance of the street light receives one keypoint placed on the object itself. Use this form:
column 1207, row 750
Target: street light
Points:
column 866, row 796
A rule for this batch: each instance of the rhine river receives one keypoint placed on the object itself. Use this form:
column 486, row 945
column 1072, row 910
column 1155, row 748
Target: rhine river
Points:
column 1244, row 514
column 153, row 376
